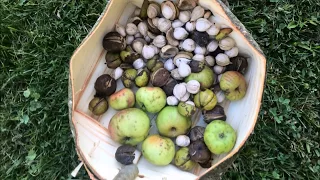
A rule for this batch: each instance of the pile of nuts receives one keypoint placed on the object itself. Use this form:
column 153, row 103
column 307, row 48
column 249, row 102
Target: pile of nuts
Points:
column 181, row 49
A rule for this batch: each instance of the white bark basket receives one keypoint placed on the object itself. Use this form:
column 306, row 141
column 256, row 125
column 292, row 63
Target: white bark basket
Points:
column 93, row 144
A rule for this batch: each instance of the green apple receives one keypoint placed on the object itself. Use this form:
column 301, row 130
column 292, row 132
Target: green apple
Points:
column 219, row 137
column 234, row 85
column 171, row 123
column 205, row 77
column 122, row 99
column 158, row 150
column 151, row 99
column 129, row 126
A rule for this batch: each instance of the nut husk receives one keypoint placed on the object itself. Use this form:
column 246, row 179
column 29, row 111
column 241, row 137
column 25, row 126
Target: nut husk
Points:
column 197, row 66
column 182, row 159
column 128, row 77
column 206, row 164
column 160, row 77
column 144, row 9
column 125, row 66
column 125, row 154
column 187, row 4
column 142, row 78
column 114, row 42
column 201, row 38
column 113, row 60
column 129, row 56
column 205, row 100
column 168, row 87
column 153, row 64
column 105, row 85
column 217, row 113
column 196, row 133
column 223, row 33
column 199, row 152
column 152, row 27
column 98, row 106
column 239, row 64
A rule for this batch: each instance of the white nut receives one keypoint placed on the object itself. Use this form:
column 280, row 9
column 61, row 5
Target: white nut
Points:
column 117, row 73
column 184, row 70
column 177, row 23
column 198, row 57
column 213, row 30
column 200, row 50
column 190, row 26
column 131, row 29
column 197, row 13
column 222, row 59
column 203, row 25
column 138, row 35
column 148, row 52
column 139, row 64
column 155, row 21
column 220, row 96
column 129, row 39
column 212, row 46
column 172, row 101
column 209, row 60
column 180, row 33
column 190, row 103
column 137, row 46
column 156, row 49
column 143, row 28
column 164, row 24
column 148, row 39
column 185, row 97
column 159, row 41
column 193, row 86
column 178, row 61
column 214, row 19
column 167, row 12
column 233, row 52
column 184, row 16
column 183, row 140
column 168, row 65
column 219, row 69
column 175, row 74
column 189, row 45
column 179, row 91
column 226, row 43
column 121, row 30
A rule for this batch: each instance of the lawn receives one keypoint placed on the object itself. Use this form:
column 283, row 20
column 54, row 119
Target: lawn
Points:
column 38, row 37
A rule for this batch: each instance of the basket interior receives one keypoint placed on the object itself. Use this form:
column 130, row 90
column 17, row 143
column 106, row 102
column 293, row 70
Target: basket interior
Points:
column 88, row 63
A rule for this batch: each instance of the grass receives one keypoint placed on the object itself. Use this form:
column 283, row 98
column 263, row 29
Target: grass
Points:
column 38, row 37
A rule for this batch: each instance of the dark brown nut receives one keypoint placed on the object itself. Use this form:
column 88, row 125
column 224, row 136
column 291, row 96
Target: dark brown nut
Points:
column 125, row 154
column 199, row 152
column 201, row 38
column 160, row 77
column 196, row 133
column 105, row 85
column 113, row 60
column 207, row 164
column 98, row 106
column 196, row 66
column 126, row 66
column 216, row 52
column 114, row 42
column 142, row 78
column 217, row 113
column 239, row 64
column 168, row 87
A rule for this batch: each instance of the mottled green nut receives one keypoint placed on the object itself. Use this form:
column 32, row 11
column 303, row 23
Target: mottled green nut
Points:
column 157, row 66
column 128, row 77
column 98, row 106
column 223, row 33
column 182, row 159
column 129, row 56
column 151, row 63
column 205, row 100
column 113, row 60
column 142, row 78
column 186, row 108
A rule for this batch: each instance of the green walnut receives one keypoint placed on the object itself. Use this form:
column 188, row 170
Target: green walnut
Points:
column 183, row 160
column 187, row 108
column 98, row 106
column 205, row 100
column 205, row 77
